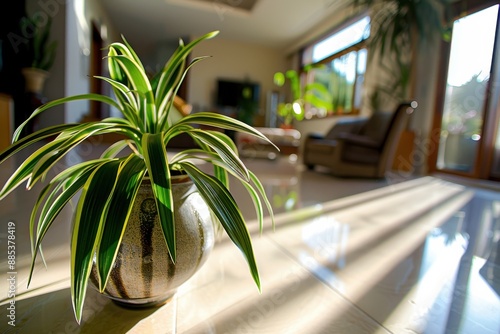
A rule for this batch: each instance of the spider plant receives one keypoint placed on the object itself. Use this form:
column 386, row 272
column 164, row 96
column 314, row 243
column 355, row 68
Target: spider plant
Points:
column 110, row 183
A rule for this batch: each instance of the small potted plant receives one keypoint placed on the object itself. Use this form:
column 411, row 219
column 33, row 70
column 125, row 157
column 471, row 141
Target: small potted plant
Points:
column 138, row 161
column 41, row 54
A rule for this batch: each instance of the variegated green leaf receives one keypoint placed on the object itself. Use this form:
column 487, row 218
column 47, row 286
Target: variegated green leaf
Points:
column 51, row 104
column 222, row 175
column 87, row 229
column 126, row 50
column 258, row 186
column 33, row 138
column 126, row 98
column 175, row 61
column 224, row 151
column 156, row 160
column 222, row 122
column 167, row 102
column 48, row 159
column 23, row 172
column 128, row 182
column 115, row 71
column 223, row 205
column 257, row 204
column 139, row 82
column 52, row 207
column 113, row 150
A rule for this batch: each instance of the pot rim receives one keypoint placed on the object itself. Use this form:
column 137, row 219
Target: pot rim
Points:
column 174, row 179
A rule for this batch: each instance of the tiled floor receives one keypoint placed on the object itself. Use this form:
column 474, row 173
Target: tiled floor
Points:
column 400, row 255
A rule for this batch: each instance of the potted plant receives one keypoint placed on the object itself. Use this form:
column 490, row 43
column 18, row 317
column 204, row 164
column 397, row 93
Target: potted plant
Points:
column 314, row 93
column 41, row 54
column 108, row 186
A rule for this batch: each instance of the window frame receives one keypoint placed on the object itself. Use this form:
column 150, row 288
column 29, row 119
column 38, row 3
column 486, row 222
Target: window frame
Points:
column 484, row 157
column 358, row 46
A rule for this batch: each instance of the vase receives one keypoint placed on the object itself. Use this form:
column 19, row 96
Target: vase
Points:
column 34, row 79
column 143, row 274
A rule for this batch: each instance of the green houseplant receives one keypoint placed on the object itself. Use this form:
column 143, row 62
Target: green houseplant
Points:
column 313, row 93
column 41, row 50
column 113, row 180
column 38, row 56
column 398, row 27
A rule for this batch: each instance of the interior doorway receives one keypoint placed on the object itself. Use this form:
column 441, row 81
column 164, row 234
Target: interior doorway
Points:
column 97, row 110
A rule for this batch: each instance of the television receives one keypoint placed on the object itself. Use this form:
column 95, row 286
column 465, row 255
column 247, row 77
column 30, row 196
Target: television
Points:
column 230, row 92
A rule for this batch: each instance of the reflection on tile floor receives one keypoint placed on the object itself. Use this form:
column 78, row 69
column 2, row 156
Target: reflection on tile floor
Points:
column 400, row 255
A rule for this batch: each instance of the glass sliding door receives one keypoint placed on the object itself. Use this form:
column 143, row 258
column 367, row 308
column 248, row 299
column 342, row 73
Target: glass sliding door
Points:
column 469, row 69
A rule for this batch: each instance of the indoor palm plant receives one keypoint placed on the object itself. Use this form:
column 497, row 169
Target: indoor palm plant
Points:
column 112, row 181
column 398, row 28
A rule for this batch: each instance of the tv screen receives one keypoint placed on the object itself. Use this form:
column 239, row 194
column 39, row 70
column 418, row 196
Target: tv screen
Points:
column 230, row 92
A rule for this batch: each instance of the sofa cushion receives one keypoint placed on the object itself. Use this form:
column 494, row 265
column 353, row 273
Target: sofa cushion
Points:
column 346, row 125
column 359, row 140
column 377, row 125
column 361, row 155
column 321, row 146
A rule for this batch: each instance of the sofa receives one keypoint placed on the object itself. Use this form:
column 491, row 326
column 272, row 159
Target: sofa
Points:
column 359, row 146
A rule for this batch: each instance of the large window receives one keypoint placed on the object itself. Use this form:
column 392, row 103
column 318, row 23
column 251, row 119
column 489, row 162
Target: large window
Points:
column 344, row 56
column 465, row 105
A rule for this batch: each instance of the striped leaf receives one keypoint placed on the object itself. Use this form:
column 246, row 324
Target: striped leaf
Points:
column 55, row 202
column 224, row 151
column 33, row 138
column 155, row 157
column 87, row 229
column 222, row 122
column 51, row 104
column 127, row 185
column 223, row 205
column 139, row 83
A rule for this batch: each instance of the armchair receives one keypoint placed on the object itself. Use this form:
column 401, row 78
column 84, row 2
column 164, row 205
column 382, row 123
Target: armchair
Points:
column 359, row 147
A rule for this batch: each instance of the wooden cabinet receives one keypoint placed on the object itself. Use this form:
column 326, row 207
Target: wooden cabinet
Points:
column 6, row 120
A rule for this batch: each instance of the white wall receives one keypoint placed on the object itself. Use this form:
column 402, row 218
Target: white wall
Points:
column 232, row 60
column 77, row 64
column 82, row 14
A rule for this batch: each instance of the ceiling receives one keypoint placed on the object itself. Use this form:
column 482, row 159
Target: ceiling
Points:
column 273, row 23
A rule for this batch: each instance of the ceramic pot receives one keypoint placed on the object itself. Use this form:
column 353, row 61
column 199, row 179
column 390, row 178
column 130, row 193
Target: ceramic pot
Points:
column 35, row 79
column 143, row 274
